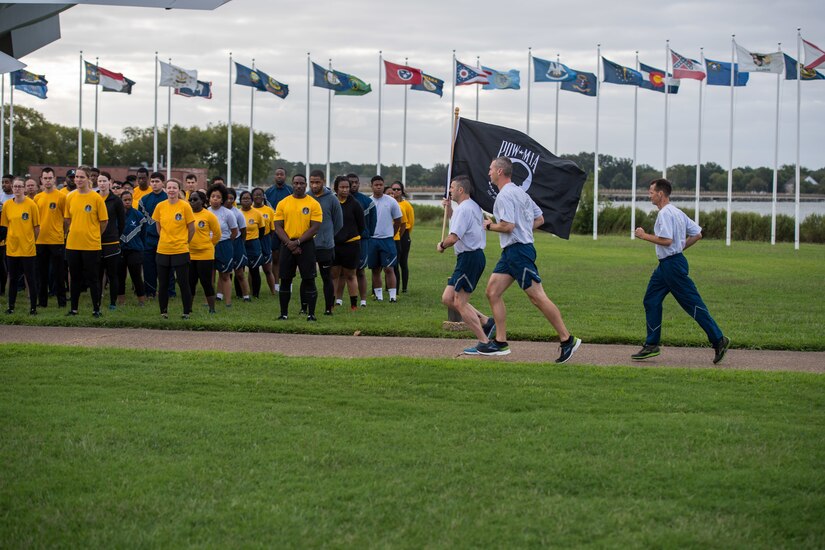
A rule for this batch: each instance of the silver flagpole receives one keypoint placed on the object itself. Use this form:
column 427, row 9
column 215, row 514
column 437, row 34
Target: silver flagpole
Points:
column 797, row 172
column 2, row 124
column 633, row 176
column 309, row 87
column 11, row 130
column 329, row 122
column 452, row 110
column 97, row 87
column 229, row 129
column 776, row 156
column 169, row 130
column 478, row 65
column 730, row 141
column 667, row 94
column 596, row 155
column 699, row 139
column 529, row 72
column 404, row 140
column 155, row 154
column 79, row 114
column 380, row 89
column 556, row 139
column 251, row 132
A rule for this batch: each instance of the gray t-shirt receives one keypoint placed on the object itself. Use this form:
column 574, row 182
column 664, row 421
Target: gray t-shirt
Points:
column 514, row 205
column 240, row 219
column 672, row 223
column 227, row 221
column 386, row 210
column 467, row 224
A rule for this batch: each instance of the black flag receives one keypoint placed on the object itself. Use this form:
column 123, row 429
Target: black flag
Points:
column 554, row 184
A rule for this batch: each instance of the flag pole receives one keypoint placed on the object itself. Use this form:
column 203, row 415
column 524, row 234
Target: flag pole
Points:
column 776, row 156
column 155, row 154
column 450, row 166
column 556, row 140
column 79, row 114
column 251, row 132
column 596, row 155
column 730, row 141
column 329, row 121
column 452, row 110
column 478, row 64
column 169, row 130
column 380, row 89
column 633, row 176
column 529, row 79
column 97, row 87
column 667, row 94
column 2, row 124
column 11, row 130
column 797, row 172
column 404, row 140
column 699, row 138
column 229, row 128
column 309, row 87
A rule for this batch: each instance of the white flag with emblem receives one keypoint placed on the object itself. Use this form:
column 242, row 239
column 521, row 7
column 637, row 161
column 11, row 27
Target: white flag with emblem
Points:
column 751, row 62
column 171, row 75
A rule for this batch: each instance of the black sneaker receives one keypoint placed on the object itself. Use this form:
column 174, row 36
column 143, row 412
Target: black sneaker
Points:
column 567, row 349
column 9, row 311
column 489, row 328
column 33, row 311
column 71, row 313
column 96, row 314
column 493, row 347
column 721, row 348
column 283, row 317
column 311, row 318
column 328, row 312
column 647, row 351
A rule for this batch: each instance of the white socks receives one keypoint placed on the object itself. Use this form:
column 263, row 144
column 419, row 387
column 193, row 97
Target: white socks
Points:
column 379, row 294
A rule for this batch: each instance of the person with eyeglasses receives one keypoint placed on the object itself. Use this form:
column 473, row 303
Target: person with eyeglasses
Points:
column 404, row 241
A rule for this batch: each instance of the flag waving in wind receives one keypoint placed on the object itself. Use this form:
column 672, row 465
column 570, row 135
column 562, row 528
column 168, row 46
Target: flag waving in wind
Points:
column 30, row 83
column 256, row 78
column 174, row 76
column 401, row 74
column 719, row 74
column 619, row 74
column 203, row 90
column 499, row 80
column 759, row 62
column 329, row 79
column 807, row 74
column 110, row 81
column 466, row 75
column 686, row 68
column 654, row 79
column 430, row 84
column 584, row 83
column 552, row 71
column 554, row 184
column 814, row 55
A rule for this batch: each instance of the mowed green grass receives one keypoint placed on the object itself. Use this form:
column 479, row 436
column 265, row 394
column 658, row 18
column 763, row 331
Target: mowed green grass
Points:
column 113, row 448
column 762, row 296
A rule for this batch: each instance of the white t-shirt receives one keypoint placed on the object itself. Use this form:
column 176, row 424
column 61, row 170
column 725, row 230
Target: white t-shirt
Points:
column 227, row 221
column 467, row 224
column 514, row 205
column 672, row 223
column 386, row 210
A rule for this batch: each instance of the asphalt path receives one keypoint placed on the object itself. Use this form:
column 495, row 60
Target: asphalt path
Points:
column 305, row 345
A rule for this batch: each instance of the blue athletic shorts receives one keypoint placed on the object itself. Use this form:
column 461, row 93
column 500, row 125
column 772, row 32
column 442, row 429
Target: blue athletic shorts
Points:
column 254, row 257
column 468, row 269
column 224, row 262
column 266, row 249
column 239, row 253
column 382, row 253
column 364, row 253
column 519, row 262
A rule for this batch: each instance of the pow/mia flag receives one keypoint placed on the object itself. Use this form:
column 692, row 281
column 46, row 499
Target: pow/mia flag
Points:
column 554, row 184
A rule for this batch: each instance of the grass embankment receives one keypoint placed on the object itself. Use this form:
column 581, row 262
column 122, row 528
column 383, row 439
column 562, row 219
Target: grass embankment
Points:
column 762, row 296
column 111, row 448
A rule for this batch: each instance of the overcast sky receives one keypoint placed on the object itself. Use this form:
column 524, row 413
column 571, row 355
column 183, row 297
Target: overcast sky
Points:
column 278, row 34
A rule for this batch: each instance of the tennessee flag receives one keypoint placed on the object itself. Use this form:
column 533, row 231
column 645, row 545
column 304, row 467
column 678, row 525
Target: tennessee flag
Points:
column 401, row 74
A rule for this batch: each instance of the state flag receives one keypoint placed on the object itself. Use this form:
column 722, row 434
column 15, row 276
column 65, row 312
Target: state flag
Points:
column 814, row 55
column 203, row 90
column 554, row 184
column 401, row 74
column 329, row 79
column 466, row 75
column 244, row 76
column 355, row 86
column 654, row 79
column 30, row 83
column 552, row 71
column 719, row 74
column 499, row 80
column 174, row 76
column 430, row 84
column 110, row 81
column 127, row 87
column 752, row 62
column 684, row 67
column 269, row 84
column 807, row 74
column 584, row 83
column 619, row 74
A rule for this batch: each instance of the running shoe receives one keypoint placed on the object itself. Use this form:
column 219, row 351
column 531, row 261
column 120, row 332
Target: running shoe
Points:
column 721, row 348
column 311, row 318
column 647, row 351
column 283, row 317
column 96, row 314
column 493, row 347
column 489, row 328
column 473, row 350
column 567, row 348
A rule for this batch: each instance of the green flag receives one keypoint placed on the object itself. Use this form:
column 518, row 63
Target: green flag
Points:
column 356, row 87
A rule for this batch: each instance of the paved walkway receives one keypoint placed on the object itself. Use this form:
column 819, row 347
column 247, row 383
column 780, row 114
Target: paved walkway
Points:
column 375, row 346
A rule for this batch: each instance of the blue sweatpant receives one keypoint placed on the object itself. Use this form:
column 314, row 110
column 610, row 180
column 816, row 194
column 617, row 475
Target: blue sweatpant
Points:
column 671, row 277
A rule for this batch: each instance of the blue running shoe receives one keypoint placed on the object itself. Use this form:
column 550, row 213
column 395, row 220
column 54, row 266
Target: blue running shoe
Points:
column 493, row 347
column 567, row 348
column 473, row 350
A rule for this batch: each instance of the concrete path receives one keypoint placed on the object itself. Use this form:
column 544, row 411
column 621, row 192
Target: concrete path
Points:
column 375, row 346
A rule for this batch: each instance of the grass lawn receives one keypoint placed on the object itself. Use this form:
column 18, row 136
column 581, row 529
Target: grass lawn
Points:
column 111, row 448
column 762, row 296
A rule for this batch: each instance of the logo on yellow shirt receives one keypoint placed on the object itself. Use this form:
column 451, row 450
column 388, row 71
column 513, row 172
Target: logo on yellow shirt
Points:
column 178, row 217
column 88, row 208
column 201, row 224
column 25, row 216
column 52, row 205
column 305, row 211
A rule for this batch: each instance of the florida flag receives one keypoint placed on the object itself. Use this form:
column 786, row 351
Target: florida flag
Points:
column 401, row 74
column 466, row 75
column 684, row 67
column 814, row 56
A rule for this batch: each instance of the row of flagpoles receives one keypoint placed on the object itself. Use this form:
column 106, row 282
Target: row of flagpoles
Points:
column 708, row 72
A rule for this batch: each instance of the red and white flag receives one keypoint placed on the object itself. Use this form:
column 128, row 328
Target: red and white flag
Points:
column 814, row 56
column 401, row 74
column 110, row 80
column 684, row 67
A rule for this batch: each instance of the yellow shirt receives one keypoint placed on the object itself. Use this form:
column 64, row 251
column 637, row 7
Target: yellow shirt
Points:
column 397, row 236
column 254, row 223
column 21, row 219
column 51, row 207
column 409, row 214
column 297, row 214
column 269, row 217
column 174, row 222
column 137, row 193
column 85, row 212
column 207, row 234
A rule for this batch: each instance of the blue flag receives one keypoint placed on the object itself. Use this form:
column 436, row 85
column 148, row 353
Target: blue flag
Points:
column 329, row 79
column 619, row 74
column 654, row 79
column 203, row 90
column 719, row 74
column 248, row 77
column 584, row 83
column 466, row 75
column 552, row 71
column 807, row 74
column 30, row 83
column 272, row 86
column 511, row 80
column 430, row 84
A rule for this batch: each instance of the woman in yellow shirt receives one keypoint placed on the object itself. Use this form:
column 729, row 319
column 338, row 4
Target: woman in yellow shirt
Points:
column 20, row 220
column 402, row 268
column 86, row 218
column 176, row 227
column 202, row 247
column 267, row 239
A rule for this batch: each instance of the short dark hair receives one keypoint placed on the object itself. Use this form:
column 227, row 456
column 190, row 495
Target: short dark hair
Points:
column 401, row 185
column 95, row 169
column 317, row 174
column 107, row 175
column 339, row 179
column 220, row 188
column 505, row 165
column 131, row 178
column 201, row 195
column 376, row 178
column 156, row 176
column 464, row 182
column 352, row 175
column 662, row 185
column 191, row 177
column 298, row 176
column 218, row 178
column 243, row 194
column 47, row 169
column 129, row 183
column 126, row 192
column 230, row 191
column 143, row 170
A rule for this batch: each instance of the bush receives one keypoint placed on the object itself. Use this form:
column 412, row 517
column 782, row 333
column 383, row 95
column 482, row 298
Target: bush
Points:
column 812, row 230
